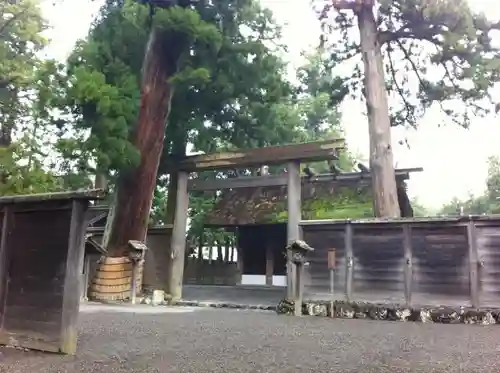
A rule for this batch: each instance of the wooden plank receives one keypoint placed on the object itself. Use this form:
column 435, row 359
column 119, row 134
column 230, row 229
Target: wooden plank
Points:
column 294, row 218
column 346, row 178
column 407, row 246
column 33, row 341
column 349, row 255
column 6, row 219
column 86, row 278
column 88, row 195
column 473, row 264
column 178, row 242
column 312, row 151
column 74, row 264
column 269, row 264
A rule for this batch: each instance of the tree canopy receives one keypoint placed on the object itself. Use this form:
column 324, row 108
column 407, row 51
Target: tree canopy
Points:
column 485, row 203
column 435, row 53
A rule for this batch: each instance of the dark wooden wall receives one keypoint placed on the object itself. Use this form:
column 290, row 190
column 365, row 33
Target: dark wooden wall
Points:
column 252, row 241
column 41, row 255
column 440, row 262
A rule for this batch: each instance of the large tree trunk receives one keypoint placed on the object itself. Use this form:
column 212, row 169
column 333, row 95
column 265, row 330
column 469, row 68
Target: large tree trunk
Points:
column 135, row 187
column 385, row 198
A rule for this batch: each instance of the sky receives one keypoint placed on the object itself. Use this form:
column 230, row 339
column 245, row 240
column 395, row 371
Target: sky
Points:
column 454, row 159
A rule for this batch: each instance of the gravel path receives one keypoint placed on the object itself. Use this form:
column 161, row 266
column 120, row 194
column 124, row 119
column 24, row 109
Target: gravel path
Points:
column 125, row 339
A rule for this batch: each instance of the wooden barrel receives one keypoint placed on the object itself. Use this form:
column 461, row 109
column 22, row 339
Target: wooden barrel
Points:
column 112, row 279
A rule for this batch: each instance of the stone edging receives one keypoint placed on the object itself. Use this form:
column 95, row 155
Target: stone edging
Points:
column 194, row 303
column 362, row 310
column 356, row 310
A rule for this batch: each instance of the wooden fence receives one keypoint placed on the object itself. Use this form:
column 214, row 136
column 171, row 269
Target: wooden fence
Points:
column 417, row 262
column 41, row 255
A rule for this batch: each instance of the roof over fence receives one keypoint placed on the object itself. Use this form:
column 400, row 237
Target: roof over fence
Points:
column 259, row 205
column 89, row 195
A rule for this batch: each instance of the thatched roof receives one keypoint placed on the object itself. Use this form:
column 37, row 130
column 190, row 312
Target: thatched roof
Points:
column 244, row 206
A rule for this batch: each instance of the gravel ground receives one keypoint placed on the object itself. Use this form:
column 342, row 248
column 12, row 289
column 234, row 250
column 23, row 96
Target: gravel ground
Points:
column 241, row 294
column 115, row 339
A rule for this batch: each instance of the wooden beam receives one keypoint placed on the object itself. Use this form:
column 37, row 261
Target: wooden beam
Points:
column 6, row 226
column 88, row 195
column 407, row 246
column 269, row 264
column 282, row 180
column 473, row 264
column 311, row 151
column 74, row 265
column 349, row 262
column 178, row 240
column 294, row 207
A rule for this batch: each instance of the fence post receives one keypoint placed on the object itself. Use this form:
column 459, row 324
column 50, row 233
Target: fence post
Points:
column 349, row 255
column 473, row 263
column 294, row 186
column 407, row 245
column 331, row 267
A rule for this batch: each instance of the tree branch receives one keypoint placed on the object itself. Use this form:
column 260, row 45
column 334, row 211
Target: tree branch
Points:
column 14, row 18
column 398, row 87
column 422, row 84
column 354, row 5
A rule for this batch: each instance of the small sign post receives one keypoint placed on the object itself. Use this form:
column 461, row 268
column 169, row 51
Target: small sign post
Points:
column 331, row 268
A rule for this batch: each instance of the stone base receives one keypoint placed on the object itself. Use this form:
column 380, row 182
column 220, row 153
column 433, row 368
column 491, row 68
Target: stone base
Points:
column 357, row 310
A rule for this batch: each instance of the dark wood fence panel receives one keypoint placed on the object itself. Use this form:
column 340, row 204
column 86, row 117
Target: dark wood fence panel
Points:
column 453, row 262
column 440, row 265
column 489, row 265
column 37, row 264
column 3, row 263
column 210, row 272
column 316, row 274
column 41, row 256
column 379, row 265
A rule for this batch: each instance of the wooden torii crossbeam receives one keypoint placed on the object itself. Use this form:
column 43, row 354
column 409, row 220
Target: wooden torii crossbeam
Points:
column 273, row 155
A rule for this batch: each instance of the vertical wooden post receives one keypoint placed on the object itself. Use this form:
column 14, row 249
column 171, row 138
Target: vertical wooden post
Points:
column 294, row 217
column 3, row 260
column 331, row 268
column 349, row 256
column 239, row 256
column 86, row 278
column 74, row 264
column 407, row 246
column 269, row 264
column 179, row 236
column 473, row 264
column 199, row 262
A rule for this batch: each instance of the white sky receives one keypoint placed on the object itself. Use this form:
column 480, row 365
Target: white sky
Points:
column 454, row 159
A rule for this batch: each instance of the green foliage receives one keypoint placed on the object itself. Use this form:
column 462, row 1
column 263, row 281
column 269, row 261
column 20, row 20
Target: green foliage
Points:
column 346, row 204
column 23, row 173
column 487, row 203
column 27, row 85
column 435, row 52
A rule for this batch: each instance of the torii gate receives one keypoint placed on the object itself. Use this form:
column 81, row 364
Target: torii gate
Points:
column 291, row 155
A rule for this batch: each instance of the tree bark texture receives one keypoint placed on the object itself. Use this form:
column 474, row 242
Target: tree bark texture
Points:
column 134, row 195
column 136, row 187
column 385, row 198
